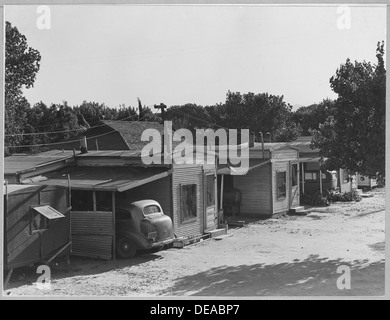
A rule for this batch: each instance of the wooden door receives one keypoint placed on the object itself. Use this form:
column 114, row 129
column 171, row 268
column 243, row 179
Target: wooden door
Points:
column 210, row 201
column 294, row 184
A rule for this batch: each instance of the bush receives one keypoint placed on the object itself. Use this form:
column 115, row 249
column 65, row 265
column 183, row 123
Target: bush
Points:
column 344, row 197
column 320, row 201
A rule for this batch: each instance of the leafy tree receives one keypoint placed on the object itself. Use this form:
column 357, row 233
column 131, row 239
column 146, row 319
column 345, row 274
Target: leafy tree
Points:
column 353, row 136
column 260, row 112
column 189, row 116
column 21, row 67
column 62, row 118
column 309, row 118
column 90, row 113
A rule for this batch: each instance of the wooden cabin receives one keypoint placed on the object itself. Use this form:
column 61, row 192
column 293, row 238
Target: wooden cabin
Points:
column 98, row 179
column 270, row 186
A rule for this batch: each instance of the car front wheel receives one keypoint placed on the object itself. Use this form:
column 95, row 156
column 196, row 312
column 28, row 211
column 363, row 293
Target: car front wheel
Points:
column 125, row 248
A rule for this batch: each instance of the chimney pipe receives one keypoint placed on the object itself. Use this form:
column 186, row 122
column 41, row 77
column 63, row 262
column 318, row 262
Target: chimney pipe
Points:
column 252, row 139
column 262, row 143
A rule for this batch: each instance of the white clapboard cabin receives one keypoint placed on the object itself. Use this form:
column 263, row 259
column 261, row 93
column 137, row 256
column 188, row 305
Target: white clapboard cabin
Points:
column 270, row 186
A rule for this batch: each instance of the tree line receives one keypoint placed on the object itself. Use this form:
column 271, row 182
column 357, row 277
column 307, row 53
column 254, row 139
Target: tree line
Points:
column 349, row 131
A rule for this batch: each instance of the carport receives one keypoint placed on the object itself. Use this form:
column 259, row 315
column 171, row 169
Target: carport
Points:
column 95, row 191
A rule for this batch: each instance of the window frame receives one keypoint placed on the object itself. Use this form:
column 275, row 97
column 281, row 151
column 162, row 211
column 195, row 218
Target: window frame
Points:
column 212, row 193
column 187, row 218
column 280, row 195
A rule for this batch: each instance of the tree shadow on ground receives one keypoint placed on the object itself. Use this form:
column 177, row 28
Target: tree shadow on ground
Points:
column 313, row 276
column 367, row 213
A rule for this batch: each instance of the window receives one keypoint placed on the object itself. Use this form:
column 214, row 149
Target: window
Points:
column 310, row 176
column 41, row 217
column 210, row 190
column 281, row 184
column 151, row 209
column 294, row 175
column 188, row 202
column 103, row 201
column 82, row 200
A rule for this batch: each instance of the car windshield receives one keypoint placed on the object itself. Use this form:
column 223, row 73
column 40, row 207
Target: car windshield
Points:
column 151, row 209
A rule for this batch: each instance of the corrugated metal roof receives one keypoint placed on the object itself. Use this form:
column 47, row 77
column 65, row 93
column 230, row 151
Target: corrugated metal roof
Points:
column 112, row 153
column 105, row 178
column 271, row 146
column 49, row 212
column 16, row 163
column 303, row 144
column 11, row 188
column 310, row 159
column 228, row 170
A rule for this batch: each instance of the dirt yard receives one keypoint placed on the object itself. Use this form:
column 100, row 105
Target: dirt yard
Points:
column 288, row 256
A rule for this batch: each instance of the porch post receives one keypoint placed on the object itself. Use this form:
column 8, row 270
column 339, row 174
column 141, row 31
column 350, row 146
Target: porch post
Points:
column 222, row 182
column 321, row 182
column 303, row 178
column 113, row 227
column 94, row 200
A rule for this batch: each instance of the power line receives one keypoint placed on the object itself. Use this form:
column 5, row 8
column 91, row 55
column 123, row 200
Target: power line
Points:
column 190, row 116
column 68, row 142
column 65, row 131
column 59, row 143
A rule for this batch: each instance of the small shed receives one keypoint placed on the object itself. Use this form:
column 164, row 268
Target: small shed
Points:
column 36, row 224
column 270, row 186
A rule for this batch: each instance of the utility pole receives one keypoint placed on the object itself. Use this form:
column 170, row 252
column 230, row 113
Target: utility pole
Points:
column 162, row 107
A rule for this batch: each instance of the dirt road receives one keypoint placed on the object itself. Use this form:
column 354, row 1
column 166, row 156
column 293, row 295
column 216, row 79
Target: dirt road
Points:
column 289, row 256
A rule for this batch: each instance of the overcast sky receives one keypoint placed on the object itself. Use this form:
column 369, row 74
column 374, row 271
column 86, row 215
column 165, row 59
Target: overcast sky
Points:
column 193, row 54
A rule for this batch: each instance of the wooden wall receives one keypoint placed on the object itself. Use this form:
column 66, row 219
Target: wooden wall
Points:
column 182, row 175
column 24, row 247
column 255, row 189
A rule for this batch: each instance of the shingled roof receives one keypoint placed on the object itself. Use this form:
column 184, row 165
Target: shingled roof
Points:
column 113, row 135
column 131, row 131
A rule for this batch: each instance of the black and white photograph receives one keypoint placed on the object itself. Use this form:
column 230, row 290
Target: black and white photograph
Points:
column 189, row 151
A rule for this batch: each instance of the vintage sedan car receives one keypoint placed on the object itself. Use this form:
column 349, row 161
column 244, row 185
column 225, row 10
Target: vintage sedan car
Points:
column 141, row 225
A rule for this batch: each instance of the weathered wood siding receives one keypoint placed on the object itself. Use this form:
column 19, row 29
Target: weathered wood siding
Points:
column 159, row 190
column 182, row 175
column 255, row 189
column 22, row 246
column 280, row 205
